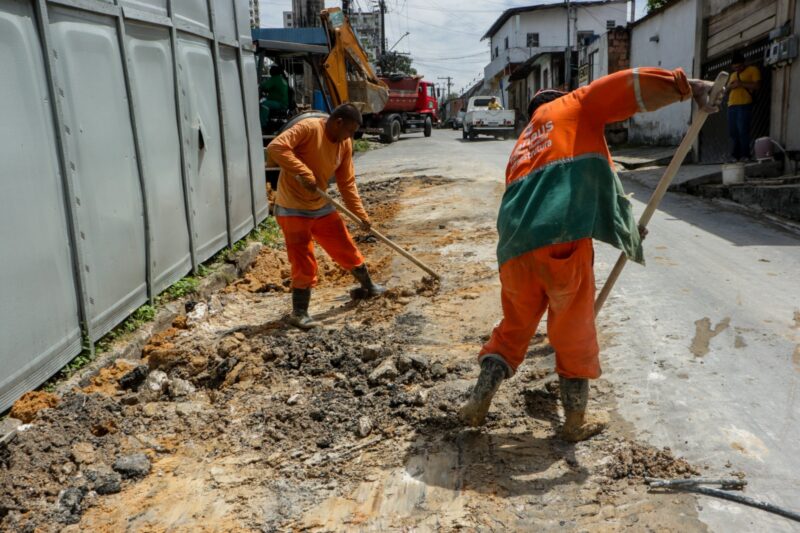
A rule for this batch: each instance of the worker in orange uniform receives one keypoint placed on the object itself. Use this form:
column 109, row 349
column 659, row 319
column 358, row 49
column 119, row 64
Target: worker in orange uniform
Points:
column 310, row 153
column 562, row 192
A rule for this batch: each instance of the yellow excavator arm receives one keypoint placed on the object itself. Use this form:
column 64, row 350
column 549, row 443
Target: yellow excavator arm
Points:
column 346, row 68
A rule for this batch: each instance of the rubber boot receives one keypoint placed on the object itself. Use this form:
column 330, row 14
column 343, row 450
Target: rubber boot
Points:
column 368, row 289
column 578, row 425
column 493, row 372
column 299, row 317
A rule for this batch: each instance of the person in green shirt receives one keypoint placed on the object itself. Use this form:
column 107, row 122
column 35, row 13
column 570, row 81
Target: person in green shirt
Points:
column 276, row 91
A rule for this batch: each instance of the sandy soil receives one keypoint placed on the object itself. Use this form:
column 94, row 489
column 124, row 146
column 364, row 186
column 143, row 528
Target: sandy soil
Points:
column 236, row 422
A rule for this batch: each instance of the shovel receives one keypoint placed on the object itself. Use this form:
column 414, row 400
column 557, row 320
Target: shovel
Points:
column 663, row 184
column 380, row 236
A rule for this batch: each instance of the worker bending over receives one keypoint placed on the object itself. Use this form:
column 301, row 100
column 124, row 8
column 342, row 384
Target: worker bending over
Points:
column 315, row 150
column 562, row 192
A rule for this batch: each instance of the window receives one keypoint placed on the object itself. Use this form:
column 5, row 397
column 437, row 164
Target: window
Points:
column 533, row 40
column 506, row 43
column 585, row 37
column 481, row 102
column 496, row 52
column 611, row 24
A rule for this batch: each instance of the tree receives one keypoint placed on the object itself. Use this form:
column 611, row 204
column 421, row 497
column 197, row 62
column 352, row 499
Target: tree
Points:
column 396, row 63
column 655, row 4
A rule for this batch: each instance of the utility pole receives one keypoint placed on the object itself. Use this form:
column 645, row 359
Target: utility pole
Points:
column 449, row 83
column 568, row 56
column 382, row 7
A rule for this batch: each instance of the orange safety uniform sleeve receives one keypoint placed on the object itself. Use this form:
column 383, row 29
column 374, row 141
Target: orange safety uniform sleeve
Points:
column 346, row 182
column 282, row 151
column 622, row 94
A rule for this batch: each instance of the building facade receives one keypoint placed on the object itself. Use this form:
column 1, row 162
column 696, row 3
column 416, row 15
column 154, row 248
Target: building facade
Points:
column 665, row 38
column 288, row 19
column 521, row 33
column 255, row 19
column 701, row 37
column 367, row 25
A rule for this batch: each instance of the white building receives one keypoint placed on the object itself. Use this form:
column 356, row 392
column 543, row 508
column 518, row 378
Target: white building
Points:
column 665, row 38
column 288, row 19
column 255, row 19
column 367, row 26
column 540, row 30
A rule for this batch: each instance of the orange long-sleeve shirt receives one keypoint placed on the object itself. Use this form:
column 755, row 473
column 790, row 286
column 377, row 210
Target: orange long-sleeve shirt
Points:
column 304, row 150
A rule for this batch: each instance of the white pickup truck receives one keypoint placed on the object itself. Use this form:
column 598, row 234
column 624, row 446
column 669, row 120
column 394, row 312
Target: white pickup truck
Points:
column 480, row 120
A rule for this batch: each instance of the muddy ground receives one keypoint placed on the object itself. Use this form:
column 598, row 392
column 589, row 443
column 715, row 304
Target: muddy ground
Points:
column 232, row 421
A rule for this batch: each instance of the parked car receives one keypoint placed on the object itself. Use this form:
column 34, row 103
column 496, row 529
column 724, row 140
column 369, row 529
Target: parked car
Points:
column 480, row 120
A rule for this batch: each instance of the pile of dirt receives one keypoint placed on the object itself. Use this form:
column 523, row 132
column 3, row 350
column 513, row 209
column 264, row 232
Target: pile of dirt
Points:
column 634, row 460
column 26, row 408
column 107, row 380
column 51, row 472
column 270, row 272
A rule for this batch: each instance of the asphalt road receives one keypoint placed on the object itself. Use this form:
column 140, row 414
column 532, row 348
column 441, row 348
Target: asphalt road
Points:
column 705, row 349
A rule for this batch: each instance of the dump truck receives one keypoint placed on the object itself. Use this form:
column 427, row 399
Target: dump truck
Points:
column 411, row 107
column 392, row 104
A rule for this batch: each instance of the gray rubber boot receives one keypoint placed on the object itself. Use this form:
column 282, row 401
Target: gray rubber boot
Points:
column 368, row 289
column 578, row 425
column 493, row 372
column 299, row 317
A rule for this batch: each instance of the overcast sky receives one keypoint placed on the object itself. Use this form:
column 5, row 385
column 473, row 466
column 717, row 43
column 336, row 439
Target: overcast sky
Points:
column 444, row 37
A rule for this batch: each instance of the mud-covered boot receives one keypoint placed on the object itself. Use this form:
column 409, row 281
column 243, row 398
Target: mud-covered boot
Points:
column 493, row 372
column 368, row 289
column 299, row 317
column 578, row 424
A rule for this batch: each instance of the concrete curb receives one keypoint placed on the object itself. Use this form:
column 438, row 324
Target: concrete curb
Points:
column 760, row 214
column 130, row 348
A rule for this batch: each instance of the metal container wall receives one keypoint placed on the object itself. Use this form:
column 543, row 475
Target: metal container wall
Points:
column 250, row 80
column 157, row 7
column 188, row 13
column 131, row 152
column 151, row 67
column 202, row 144
column 101, row 155
column 240, row 205
column 39, row 329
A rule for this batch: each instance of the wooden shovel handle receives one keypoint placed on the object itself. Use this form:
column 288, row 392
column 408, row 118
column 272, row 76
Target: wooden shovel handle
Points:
column 663, row 184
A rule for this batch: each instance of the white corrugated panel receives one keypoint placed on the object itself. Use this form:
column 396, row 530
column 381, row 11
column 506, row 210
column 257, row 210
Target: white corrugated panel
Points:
column 39, row 327
column 101, row 152
column 202, row 144
column 150, row 60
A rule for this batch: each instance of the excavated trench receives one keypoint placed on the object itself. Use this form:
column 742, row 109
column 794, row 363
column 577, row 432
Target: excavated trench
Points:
column 232, row 421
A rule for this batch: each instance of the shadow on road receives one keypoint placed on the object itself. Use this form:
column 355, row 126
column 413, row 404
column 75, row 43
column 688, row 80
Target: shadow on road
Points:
column 736, row 228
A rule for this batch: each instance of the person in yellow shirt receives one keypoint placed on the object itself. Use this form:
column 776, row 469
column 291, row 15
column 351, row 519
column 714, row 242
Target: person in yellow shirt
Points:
column 311, row 153
column 744, row 81
column 494, row 104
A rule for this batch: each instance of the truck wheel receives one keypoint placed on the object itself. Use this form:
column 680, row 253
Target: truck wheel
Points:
column 428, row 127
column 396, row 130
column 391, row 132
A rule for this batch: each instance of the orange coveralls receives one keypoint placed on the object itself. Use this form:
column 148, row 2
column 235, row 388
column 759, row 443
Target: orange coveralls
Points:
column 562, row 192
column 304, row 216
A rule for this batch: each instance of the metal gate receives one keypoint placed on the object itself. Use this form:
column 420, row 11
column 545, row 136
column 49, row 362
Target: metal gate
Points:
column 715, row 144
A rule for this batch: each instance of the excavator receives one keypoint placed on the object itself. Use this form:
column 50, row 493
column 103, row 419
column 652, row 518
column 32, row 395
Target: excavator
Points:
column 390, row 105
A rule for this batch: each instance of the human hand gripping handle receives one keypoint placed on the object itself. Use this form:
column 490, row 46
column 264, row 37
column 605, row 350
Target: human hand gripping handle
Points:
column 708, row 96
